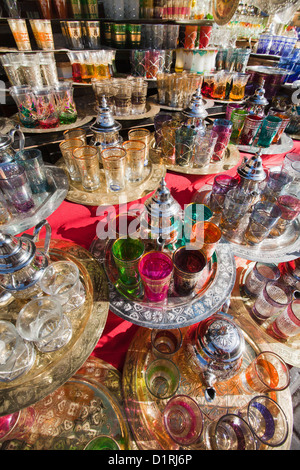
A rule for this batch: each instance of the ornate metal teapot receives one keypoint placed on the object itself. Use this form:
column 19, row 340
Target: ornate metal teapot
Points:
column 215, row 348
column 7, row 153
column 21, row 264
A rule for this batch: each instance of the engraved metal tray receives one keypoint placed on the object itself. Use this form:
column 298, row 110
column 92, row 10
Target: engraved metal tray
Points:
column 271, row 250
column 81, row 120
column 45, row 203
column 207, row 103
column 51, row 370
column 177, row 311
column 102, row 197
column 284, row 145
column 144, row 411
column 88, row 405
column 241, row 305
column 231, row 159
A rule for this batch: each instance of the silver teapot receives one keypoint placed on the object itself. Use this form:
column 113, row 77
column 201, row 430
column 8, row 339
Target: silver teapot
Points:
column 215, row 348
column 21, row 264
column 7, row 152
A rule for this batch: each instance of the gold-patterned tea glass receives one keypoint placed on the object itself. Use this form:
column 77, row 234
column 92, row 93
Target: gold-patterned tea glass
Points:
column 143, row 135
column 19, row 29
column 66, row 148
column 87, row 161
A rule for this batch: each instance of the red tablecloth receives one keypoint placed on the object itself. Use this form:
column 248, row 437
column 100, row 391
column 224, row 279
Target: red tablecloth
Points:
column 77, row 223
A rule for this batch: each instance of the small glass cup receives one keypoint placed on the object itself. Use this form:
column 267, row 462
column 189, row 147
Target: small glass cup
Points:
column 185, row 140
column 263, row 217
column 290, row 209
column 144, row 135
column 239, row 82
column 139, row 96
column 114, row 164
column 19, row 29
column 15, row 186
column 127, row 253
column 188, row 267
column 274, row 297
column 236, row 205
column 259, row 276
column 122, row 97
column 219, row 86
column 26, row 104
column 162, row 378
column 46, row 109
column 285, row 120
column 268, row 130
column 43, row 322
column 287, row 323
column 238, row 117
column 165, row 343
column 62, row 280
column 289, row 159
column 104, row 88
column 183, row 420
column 205, row 237
column 251, row 128
column 156, row 270
column 223, row 128
column 75, row 34
column 77, row 133
column 221, row 185
column 87, row 161
column 276, row 181
column 267, row 421
column 102, row 443
column 67, row 147
column 230, row 432
column 31, row 70
column 230, row 108
column 32, row 161
column 204, row 148
column 267, row 372
column 194, row 213
column 17, row 355
column 65, row 103
column 159, row 119
column 135, row 160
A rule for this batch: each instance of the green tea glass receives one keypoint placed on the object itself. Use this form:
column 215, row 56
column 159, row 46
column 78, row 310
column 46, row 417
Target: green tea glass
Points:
column 127, row 253
column 269, row 128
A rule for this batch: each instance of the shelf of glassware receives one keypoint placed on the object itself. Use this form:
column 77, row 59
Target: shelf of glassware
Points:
column 203, row 22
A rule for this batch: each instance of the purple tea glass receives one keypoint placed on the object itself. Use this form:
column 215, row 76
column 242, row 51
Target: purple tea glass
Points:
column 15, row 186
column 231, row 107
column 156, row 270
column 251, row 127
column 290, row 209
column 222, row 184
column 223, row 128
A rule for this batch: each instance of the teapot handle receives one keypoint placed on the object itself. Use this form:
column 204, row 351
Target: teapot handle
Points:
column 36, row 233
column 17, row 130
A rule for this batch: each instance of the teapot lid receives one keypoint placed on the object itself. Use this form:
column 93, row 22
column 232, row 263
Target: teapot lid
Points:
column 252, row 168
column 162, row 203
column 105, row 121
column 15, row 253
column 196, row 107
column 220, row 338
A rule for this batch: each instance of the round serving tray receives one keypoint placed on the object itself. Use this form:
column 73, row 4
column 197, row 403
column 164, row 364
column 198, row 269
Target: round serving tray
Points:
column 51, row 370
column 271, row 250
column 207, row 103
column 144, row 411
column 151, row 110
column 242, row 304
column 101, row 197
column 94, row 396
column 177, row 311
column 45, row 203
column 231, row 159
column 81, row 120
column 284, row 145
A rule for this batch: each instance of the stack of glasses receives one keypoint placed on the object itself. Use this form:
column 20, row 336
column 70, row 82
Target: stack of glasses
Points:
column 45, row 107
column 232, row 59
column 144, row 36
column 176, row 89
column 87, row 65
column 275, row 45
column 148, row 63
column 225, row 85
column 33, row 69
column 124, row 96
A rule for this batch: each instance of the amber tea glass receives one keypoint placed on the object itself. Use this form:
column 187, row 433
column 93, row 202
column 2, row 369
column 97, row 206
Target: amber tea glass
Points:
column 206, row 236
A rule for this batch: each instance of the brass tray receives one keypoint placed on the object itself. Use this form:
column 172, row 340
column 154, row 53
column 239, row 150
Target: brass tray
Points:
column 232, row 158
column 178, row 311
column 86, row 406
column 51, row 370
column 271, row 250
column 101, row 197
column 144, row 411
column 241, row 305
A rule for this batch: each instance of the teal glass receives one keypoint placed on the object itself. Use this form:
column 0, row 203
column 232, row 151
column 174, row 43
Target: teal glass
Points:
column 268, row 131
column 194, row 213
column 127, row 253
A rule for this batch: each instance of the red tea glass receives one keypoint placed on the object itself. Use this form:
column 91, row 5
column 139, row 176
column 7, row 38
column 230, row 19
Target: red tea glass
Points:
column 223, row 129
column 251, row 128
column 266, row 373
column 290, row 209
column 156, row 268
column 204, row 38
column 287, row 324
